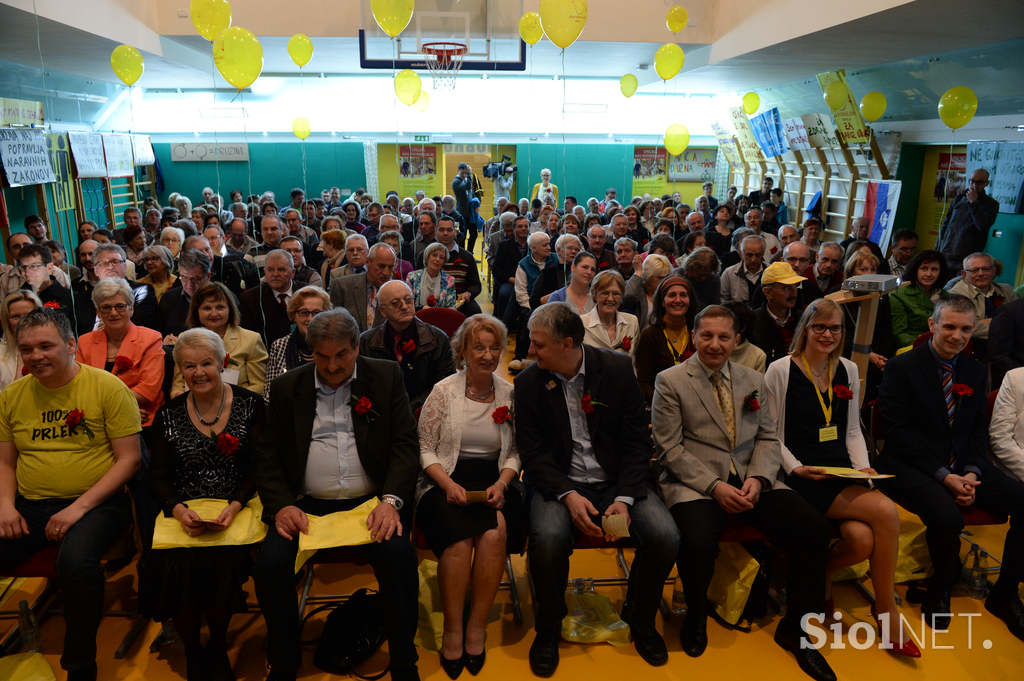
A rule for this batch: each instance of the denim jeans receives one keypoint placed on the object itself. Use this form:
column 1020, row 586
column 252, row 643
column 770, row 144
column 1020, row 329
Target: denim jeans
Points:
column 79, row 567
column 553, row 534
column 394, row 564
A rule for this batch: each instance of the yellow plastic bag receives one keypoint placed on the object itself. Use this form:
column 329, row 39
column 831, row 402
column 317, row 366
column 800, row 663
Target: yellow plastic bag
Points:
column 26, row 667
column 912, row 562
column 246, row 528
column 430, row 629
column 8, row 587
column 735, row 570
column 592, row 619
column 347, row 528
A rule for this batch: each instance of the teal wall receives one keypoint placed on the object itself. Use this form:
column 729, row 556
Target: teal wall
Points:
column 591, row 169
column 909, row 172
column 275, row 166
column 1006, row 247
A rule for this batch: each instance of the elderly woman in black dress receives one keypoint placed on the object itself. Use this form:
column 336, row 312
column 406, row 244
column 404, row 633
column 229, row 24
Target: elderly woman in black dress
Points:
column 203, row 451
column 467, row 446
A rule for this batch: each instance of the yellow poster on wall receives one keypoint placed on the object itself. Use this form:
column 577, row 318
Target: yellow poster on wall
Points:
column 649, row 170
column 419, row 168
column 20, row 112
column 943, row 177
column 849, row 124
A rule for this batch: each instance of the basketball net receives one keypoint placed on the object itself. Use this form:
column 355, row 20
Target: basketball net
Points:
column 444, row 59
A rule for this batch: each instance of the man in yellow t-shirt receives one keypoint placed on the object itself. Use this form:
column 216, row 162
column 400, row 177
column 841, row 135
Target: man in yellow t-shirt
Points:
column 69, row 443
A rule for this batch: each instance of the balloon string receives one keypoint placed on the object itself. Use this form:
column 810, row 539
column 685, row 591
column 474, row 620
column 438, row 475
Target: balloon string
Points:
column 42, row 67
column 216, row 142
column 945, row 189
column 248, row 162
column 305, row 189
column 565, row 180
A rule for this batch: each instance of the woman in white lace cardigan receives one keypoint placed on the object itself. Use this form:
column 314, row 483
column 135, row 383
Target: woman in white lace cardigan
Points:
column 469, row 506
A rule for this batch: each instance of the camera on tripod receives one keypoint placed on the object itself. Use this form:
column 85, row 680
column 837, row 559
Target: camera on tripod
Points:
column 494, row 169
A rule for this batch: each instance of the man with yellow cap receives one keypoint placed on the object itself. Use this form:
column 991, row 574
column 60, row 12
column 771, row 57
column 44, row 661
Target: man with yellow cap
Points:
column 776, row 320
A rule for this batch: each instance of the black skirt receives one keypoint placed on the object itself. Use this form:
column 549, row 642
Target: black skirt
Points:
column 208, row 576
column 444, row 524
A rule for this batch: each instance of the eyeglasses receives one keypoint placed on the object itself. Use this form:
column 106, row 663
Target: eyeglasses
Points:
column 191, row 280
column 302, row 314
column 119, row 308
column 32, row 268
column 834, row 329
column 609, row 295
column 151, row 259
column 978, row 181
column 108, row 263
column 401, row 303
column 978, row 270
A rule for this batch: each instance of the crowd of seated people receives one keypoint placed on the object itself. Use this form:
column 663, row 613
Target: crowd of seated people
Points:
column 694, row 335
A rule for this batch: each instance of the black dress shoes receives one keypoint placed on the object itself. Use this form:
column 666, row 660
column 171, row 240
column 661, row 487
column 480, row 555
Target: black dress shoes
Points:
column 1009, row 609
column 474, row 663
column 651, row 647
column 544, row 652
column 451, row 667
column 694, row 634
column 936, row 608
column 810, row 660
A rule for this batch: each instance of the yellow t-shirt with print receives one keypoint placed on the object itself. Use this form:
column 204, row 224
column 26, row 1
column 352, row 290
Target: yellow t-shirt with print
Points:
column 55, row 461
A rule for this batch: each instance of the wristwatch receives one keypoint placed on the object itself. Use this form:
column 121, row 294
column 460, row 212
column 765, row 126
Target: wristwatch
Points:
column 393, row 500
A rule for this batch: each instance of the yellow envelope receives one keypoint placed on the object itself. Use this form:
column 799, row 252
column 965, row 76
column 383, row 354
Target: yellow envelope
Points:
column 852, row 473
column 347, row 528
column 246, row 528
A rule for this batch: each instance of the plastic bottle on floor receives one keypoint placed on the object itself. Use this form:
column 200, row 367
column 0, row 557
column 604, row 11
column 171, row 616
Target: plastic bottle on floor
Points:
column 979, row 577
column 678, row 598
column 31, row 640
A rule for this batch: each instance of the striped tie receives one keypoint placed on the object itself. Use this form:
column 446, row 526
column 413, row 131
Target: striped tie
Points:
column 947, row 391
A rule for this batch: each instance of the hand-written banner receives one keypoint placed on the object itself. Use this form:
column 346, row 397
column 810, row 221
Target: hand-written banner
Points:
column 20, row 112
column 1004, row 162
column 87, row 151
column 745, row 136
column 142, row 151
column 210, row 152
column 25, row 158
column 727, row 144
column 118, row 150
column 849, row 124
column 693, row 165
column 768, row 131
column 821, row 134
column 796, row 134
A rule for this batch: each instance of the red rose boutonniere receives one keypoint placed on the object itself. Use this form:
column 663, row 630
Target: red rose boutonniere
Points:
column 362, row 406
column 52, row 304
column 588, row 404
column 500, row 415
column 123, row 363
column 75, row 418
column 408, row 346
column 961, row 390
column 750, row 402
column 431, row 301
column 843, row 392
column 226, row 442
column 625, row 344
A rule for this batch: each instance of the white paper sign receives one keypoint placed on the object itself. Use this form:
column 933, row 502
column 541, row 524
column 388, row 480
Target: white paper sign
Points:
column 796, row 133
column 821, row 132
column 142, row 150
column 25, row 157
column 118, row 151
column 87, row 150
column 210, row 152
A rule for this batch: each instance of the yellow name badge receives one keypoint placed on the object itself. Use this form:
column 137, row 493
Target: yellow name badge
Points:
column 828, row 433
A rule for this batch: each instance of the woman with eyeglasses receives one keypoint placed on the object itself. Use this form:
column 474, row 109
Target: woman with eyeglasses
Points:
column 605, row 326
column 431, row 287
column 172, row 238
column 213, row 307
column 292, row 351
column 159, row 263
column 15, row 306
column 821, row 390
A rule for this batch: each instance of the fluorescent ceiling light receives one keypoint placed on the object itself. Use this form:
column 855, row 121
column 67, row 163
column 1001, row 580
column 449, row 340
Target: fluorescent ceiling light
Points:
column 223, row 112
column 584, row 108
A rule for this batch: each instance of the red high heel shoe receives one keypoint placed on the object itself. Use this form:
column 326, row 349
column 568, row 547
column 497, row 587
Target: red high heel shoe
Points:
column 907, row 648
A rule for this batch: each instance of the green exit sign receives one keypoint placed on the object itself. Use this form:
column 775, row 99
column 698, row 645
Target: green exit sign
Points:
column 421, row 138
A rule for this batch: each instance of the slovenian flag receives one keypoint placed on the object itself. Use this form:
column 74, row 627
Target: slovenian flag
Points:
column 880, row 208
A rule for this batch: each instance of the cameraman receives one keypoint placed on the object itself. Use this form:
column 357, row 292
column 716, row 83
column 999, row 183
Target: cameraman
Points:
column 502, row 184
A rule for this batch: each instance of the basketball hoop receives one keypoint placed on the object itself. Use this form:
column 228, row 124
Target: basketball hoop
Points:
column 446, row 62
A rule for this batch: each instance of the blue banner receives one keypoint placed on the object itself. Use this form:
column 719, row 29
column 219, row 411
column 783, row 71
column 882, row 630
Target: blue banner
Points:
column 769, row 133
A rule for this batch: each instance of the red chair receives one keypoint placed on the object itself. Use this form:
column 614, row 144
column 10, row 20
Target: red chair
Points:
column 924, row 337
column 444, row 318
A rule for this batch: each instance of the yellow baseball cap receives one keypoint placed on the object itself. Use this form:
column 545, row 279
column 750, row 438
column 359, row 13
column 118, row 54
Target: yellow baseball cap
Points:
column 780, row 273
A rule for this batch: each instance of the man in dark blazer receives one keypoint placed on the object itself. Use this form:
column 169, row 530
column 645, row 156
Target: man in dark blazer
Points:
column 323, row 453
column 193, row 272
column 109, row 260
column 506, row 262
column 1006, row 340
column 933, row 405
column 357, row 293
column 581, row 430
column 265, row 308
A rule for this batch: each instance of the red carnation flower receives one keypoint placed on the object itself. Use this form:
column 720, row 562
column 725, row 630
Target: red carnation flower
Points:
column 52, row 304
column 227, row 443
column 123, row 363
column 362, row 406
column 25, row 371
column 431, row 301
column 408, row 346
column 500, row 415
column 75, row 418
column 962, row 389
column 227, row 359
column 627, row 344
column 587, row 405
column 775, row 250
column 457, row 261
column 750, row 402
column 843, row 392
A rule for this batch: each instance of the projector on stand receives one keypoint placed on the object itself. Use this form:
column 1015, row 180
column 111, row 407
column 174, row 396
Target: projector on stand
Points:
column 871, row 283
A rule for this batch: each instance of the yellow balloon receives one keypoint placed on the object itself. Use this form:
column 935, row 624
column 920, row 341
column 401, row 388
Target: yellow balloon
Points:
column 529, row 28
column 628, row 84
column 423, row 103
column 392, row 15
column 408, row 86
column 238, row 56
column 563, row 20
column 127, row 64
column 300, row 126
column 677, row 138
column 677, row 18
column 210, row 17
column 300, row 49
column 668, row 60
column 836, row 94
column 958, row 106
column 751, row 103
column 872, row 106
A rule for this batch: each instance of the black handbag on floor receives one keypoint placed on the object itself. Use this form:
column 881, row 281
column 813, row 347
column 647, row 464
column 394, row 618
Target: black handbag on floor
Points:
column 352, row 633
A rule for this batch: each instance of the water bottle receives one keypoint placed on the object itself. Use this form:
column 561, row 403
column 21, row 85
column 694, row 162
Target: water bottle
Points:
column 678, row 598
column 970, row 561
column 31, row 640
column 979, row 577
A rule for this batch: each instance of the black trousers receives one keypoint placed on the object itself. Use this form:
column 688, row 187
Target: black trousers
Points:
column 394, row 563
column 783, row 514
column 944, row 521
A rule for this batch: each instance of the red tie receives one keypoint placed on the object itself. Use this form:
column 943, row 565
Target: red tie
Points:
column 283, row 297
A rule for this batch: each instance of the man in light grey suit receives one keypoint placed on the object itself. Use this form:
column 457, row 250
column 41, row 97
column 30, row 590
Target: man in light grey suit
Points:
column 357, row 293
column 720, row 456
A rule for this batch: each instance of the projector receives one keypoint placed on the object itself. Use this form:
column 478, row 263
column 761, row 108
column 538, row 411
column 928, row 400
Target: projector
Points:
column 872, row 283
